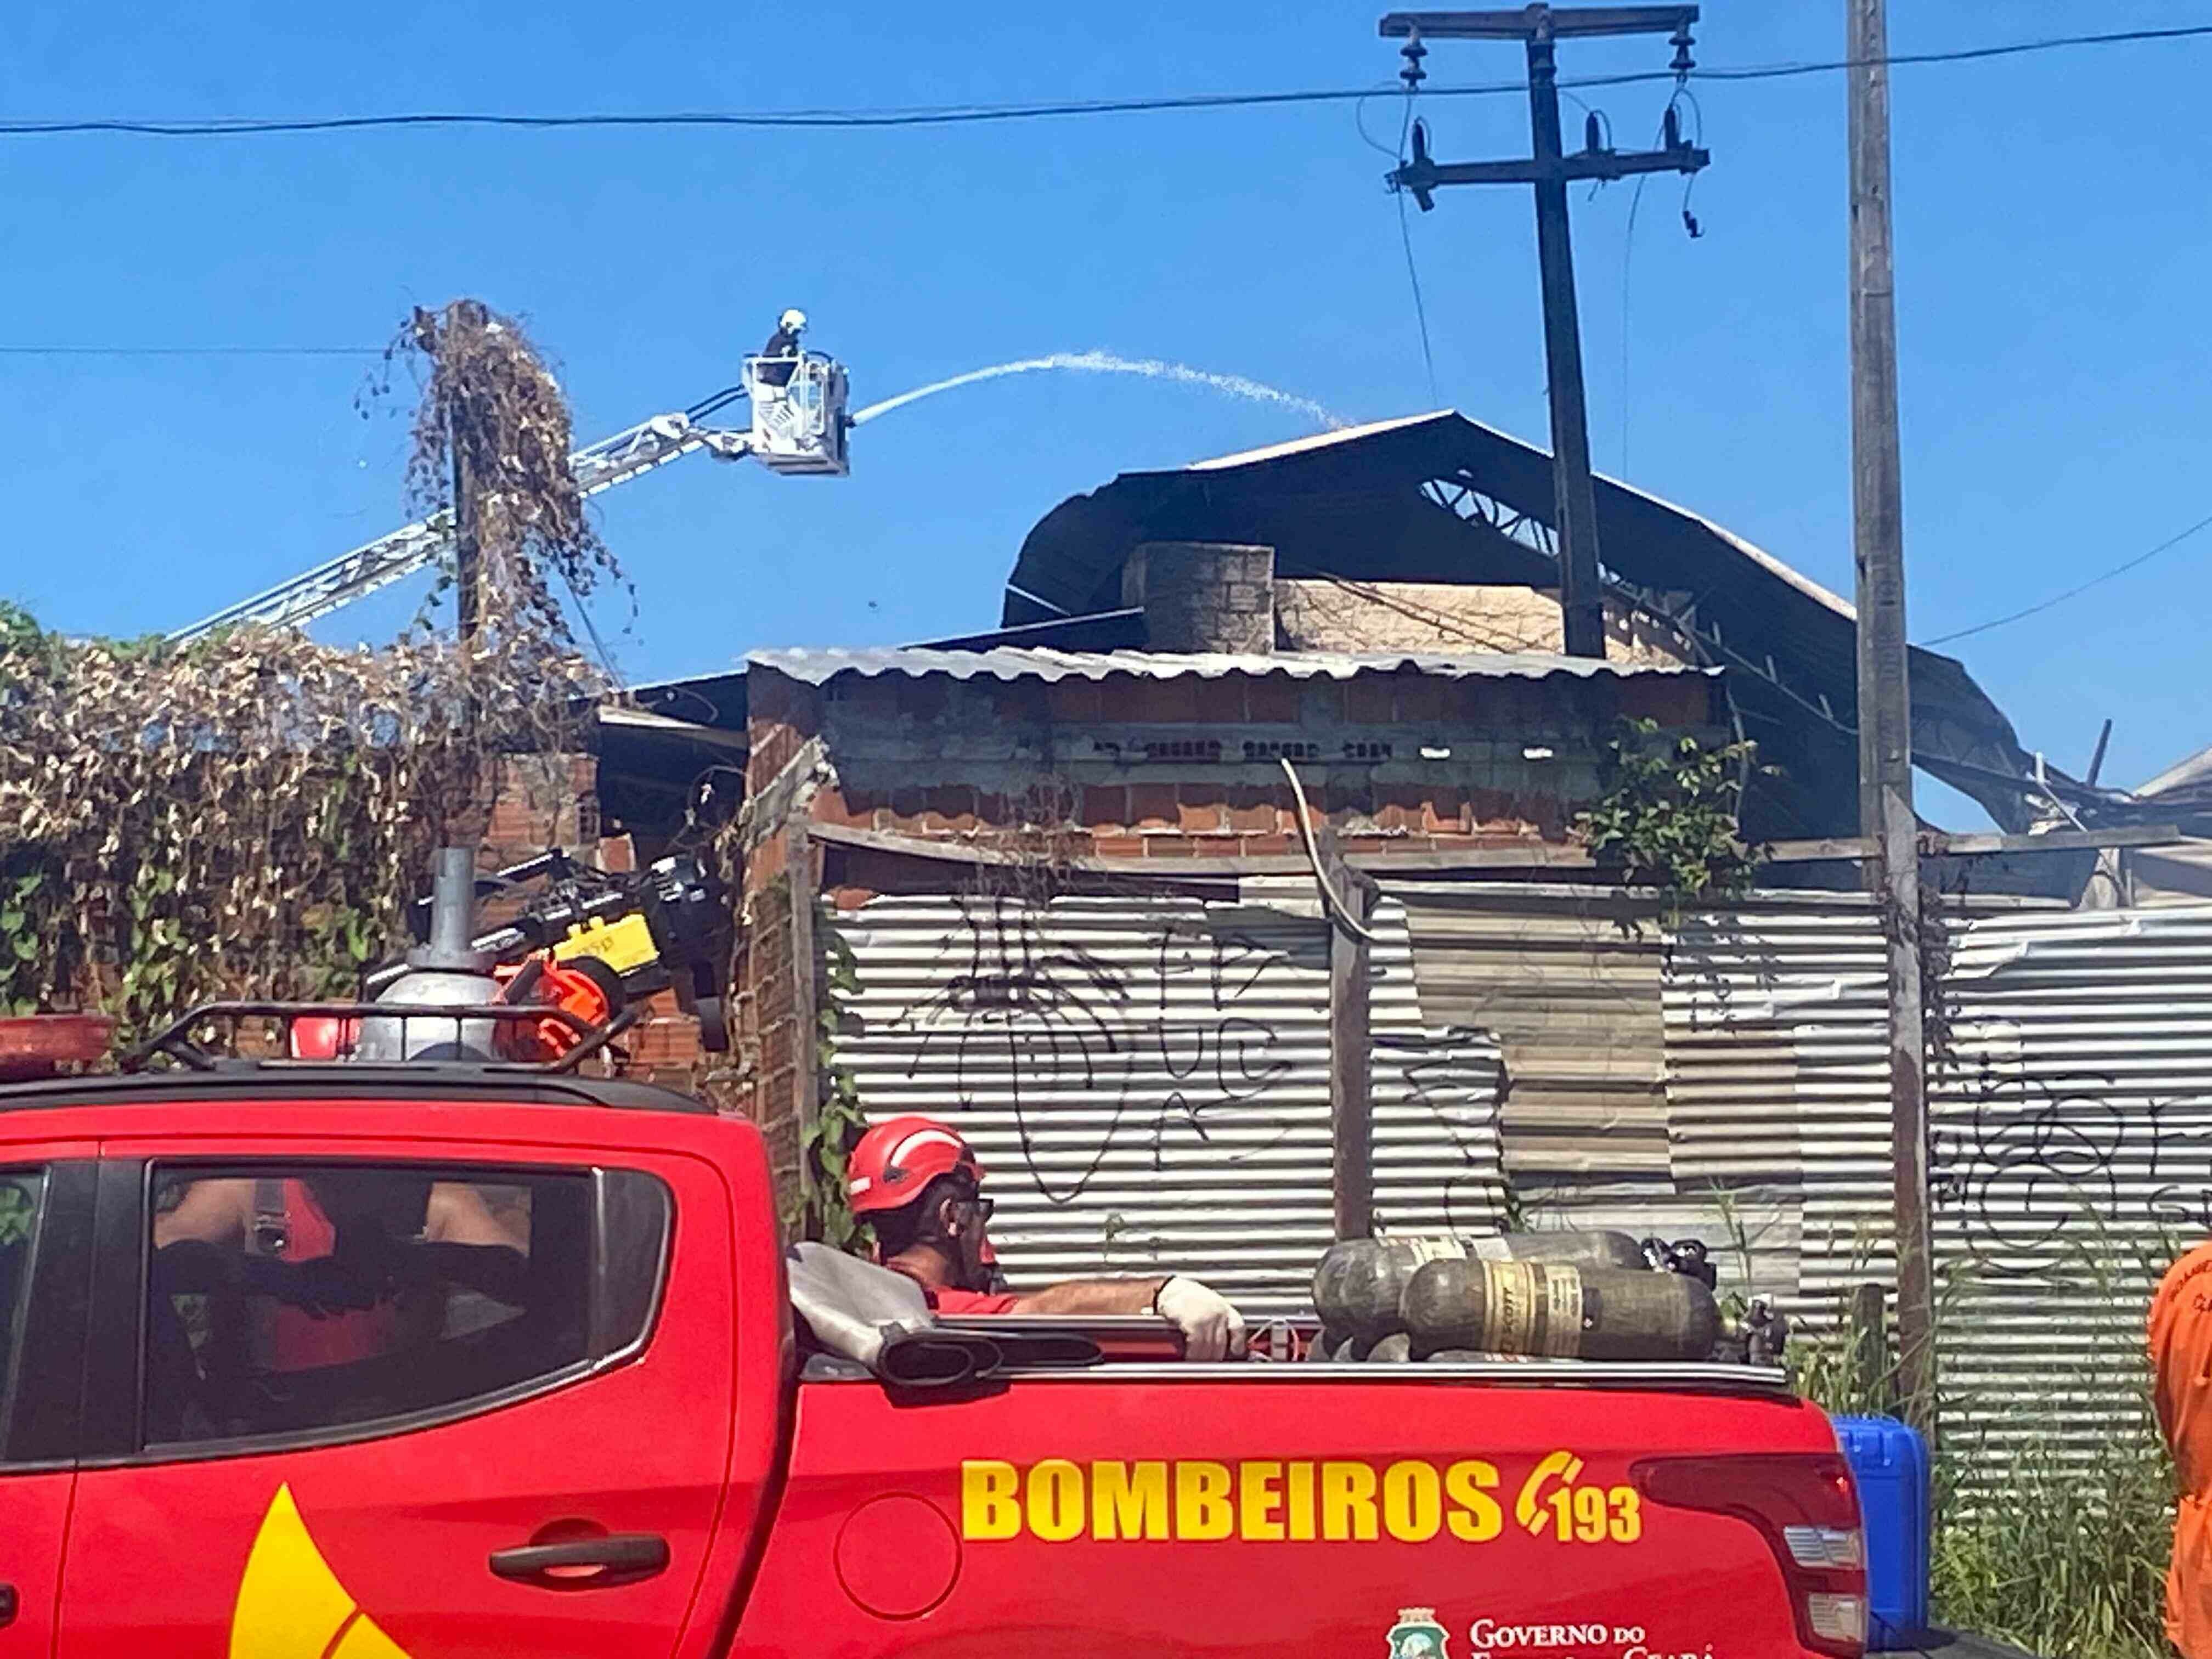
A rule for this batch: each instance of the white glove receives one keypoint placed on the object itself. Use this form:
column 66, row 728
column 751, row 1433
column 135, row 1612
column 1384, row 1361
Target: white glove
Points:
column 1211, row 1327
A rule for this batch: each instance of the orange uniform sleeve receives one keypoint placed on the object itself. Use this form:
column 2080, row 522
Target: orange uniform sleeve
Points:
column 2181, row 1337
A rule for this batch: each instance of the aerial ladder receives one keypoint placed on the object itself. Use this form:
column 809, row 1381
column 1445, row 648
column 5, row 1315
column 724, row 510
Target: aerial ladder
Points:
column 797, row 423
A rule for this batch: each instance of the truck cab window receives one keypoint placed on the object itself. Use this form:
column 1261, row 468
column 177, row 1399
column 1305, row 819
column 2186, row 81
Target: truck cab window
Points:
column 285, row 1300
column 20, row 1193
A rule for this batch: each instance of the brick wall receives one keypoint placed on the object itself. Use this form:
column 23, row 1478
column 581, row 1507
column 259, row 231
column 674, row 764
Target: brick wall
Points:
column 542, row 801
column 766, row 1032
column 1134, row 766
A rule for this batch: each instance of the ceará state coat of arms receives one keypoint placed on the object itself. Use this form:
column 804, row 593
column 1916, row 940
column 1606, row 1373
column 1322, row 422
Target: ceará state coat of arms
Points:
column 1417, row 1635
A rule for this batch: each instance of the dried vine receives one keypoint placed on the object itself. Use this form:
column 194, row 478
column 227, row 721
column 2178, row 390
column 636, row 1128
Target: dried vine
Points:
column 492, row 412
column 250, row 813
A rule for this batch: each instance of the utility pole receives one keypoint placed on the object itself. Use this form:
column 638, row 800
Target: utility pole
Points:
column 1574, row 495
column 1885, row 708
column 468, row 552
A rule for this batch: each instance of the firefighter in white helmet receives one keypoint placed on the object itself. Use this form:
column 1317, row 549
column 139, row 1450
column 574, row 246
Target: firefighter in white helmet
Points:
column 783, row 347
column 919, row 1184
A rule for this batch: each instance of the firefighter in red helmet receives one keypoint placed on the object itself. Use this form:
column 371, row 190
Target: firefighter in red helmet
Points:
column 919, row 1184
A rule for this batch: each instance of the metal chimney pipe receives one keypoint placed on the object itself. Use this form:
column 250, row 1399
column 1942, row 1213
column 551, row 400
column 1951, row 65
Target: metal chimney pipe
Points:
column 444, row 971
column 453, row 916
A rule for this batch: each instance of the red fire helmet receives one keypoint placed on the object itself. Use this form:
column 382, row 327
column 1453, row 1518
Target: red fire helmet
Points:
column 897, row 1159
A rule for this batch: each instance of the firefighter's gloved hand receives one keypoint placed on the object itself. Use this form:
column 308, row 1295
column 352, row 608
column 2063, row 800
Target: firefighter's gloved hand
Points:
column 1211, row 1327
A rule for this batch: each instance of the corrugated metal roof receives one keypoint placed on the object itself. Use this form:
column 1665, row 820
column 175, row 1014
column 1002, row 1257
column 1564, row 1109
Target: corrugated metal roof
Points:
column 1318, row 441
column 2184, row 778
column 1352, row 505
column 1009, row 663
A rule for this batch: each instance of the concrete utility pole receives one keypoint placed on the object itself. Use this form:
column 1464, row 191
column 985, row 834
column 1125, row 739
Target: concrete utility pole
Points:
column 1885, row 710
column 1574, row 496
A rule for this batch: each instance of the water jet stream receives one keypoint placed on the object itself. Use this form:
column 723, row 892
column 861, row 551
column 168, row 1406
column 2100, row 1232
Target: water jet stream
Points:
column 1105, row 362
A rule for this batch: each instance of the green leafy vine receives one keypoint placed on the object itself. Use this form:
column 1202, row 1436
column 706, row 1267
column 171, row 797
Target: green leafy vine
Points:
column 1668, row 818
column 820, row 1207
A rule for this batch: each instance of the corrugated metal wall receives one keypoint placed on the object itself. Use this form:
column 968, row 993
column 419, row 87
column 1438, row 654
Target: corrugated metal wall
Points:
column 1778, row 1094
column 1146, row 1077
column 2071, row 1129
column 2072, row 1157
column 1575, row 1003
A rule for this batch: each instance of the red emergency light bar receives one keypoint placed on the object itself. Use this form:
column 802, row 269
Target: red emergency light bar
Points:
column 39, row 1045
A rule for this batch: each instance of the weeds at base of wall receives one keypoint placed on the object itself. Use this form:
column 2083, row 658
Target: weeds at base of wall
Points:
column 2034, row 1543
column 2067, row 1556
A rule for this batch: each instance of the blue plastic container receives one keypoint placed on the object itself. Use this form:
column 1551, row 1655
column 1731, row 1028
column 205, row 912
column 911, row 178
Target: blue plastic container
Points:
column 1889, row 1459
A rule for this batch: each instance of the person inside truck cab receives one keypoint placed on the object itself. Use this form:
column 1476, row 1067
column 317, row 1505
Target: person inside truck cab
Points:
column 919, row 1185
column 336, row 1255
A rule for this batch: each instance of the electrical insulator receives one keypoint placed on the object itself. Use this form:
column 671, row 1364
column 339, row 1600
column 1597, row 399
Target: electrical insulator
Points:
column 1672, row 127
column 1680, row 40
column 1589, row 131
column 1413, row 51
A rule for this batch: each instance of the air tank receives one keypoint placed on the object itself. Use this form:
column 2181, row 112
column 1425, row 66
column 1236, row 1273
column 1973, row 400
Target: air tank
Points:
column 1359, row 1285
column 1560, row 1310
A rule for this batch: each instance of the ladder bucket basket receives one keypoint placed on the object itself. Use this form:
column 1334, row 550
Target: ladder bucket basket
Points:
column 798, row 413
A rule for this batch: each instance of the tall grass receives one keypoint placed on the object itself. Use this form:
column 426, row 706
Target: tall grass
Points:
column 2059, row 1547
column 2064, row 1556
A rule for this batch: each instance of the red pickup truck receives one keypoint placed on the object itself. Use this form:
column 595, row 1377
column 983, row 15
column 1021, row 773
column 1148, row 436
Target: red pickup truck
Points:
column 445, row 1360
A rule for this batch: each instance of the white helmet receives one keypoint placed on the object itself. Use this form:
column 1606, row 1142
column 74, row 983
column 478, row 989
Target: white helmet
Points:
column 791, row 320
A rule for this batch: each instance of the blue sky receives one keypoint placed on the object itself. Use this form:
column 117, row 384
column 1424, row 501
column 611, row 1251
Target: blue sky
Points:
column 2052, row 244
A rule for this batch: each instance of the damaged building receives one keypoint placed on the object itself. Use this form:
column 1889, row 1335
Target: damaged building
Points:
column 1054, row 878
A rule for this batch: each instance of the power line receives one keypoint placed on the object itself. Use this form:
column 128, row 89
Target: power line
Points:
column 189, row 351
column 974, row 114
column 2074, row 592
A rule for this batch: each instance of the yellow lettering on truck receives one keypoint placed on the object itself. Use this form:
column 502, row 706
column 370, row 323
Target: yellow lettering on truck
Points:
column 1129, row 1500
column 990, row 1504
column 1411, row 1500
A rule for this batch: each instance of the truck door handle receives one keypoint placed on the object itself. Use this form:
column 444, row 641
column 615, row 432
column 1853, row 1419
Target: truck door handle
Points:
column 8, row 1604
column 622, row 1558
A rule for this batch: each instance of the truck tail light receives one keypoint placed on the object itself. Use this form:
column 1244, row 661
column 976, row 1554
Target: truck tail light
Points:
column 1805, row 1507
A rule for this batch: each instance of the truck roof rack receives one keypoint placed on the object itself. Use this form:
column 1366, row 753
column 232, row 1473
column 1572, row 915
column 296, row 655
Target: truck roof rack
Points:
column 175, row 1041
column 433, row 1080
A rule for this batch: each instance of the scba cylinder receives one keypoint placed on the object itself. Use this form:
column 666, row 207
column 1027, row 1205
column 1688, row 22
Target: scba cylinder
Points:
column 1558, row 1309
column 1360, row 1284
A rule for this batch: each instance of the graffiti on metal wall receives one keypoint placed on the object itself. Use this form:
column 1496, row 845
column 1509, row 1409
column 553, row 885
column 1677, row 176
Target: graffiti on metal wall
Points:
column 1433, row 1070
column 2035, row 1169
column 1026, row 1015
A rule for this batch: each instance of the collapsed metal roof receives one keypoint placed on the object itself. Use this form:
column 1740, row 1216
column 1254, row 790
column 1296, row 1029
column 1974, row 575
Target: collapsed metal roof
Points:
column 1439, row 497
column 1011, row 663
column 2185, row 788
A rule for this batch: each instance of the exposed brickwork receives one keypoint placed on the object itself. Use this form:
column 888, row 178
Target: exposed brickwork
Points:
column 782, row 714
column 542, row 801
column 1473, row 762
column 1133, row 767
column 764, row 1026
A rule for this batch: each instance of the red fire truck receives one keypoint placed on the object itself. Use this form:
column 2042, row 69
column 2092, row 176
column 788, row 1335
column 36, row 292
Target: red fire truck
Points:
column 615, row 1444
column 431, row 1350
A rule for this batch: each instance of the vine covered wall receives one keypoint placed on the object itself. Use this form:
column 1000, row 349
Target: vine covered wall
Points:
column 252, row 813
